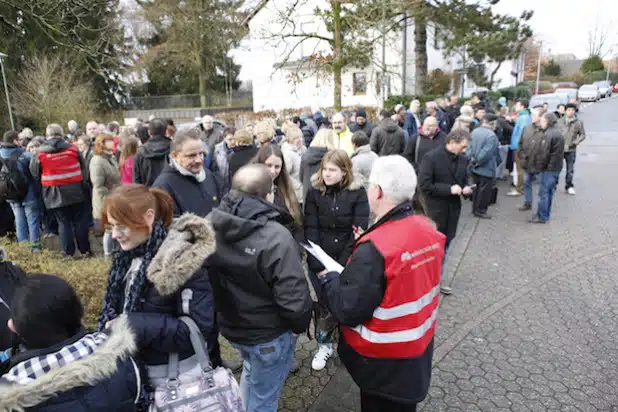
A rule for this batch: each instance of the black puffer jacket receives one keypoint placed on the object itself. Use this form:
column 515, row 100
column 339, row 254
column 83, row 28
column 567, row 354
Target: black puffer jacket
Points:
column 550, row 151
column 150, row 160
column 240, row 156
column 330, row 214
column 177, row 266
column 387, row 138
column 256, row 272
column 105, row 380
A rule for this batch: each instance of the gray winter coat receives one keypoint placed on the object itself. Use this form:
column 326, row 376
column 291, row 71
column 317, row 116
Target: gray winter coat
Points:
column 362, row 162
column 483, row 152
column 573, row 132
column 104, row 176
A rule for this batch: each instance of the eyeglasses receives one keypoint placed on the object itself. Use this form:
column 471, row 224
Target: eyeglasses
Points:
column 119, row 229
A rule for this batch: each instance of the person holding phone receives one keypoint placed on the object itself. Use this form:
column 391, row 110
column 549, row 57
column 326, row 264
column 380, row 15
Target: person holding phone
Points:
column 443, row 179
column 335, row 209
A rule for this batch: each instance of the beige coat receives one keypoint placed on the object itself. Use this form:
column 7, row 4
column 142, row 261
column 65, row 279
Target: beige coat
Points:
column 104, row 176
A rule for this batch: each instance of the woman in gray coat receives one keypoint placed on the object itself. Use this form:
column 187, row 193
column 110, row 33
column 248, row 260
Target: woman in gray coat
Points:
column 104, row 176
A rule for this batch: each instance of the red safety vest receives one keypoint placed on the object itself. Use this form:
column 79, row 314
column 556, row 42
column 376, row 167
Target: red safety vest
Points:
column 404, row 323
column 60, row 168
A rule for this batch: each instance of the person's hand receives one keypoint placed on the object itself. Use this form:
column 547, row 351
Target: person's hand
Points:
column 322, row 273
column 358, row 232
column 467, row 191
column 456, row 190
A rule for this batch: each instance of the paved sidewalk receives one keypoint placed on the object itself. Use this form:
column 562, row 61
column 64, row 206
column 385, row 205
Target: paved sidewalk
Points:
column 532, row 324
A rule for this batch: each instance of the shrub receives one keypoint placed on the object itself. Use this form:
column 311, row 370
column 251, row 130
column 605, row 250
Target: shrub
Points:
column 592, row 64
column 438, row 82
column 514, row 93
column 87, row 276
column 394, row 100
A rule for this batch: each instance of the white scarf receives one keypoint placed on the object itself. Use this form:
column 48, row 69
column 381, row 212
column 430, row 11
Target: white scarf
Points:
column 200, row 177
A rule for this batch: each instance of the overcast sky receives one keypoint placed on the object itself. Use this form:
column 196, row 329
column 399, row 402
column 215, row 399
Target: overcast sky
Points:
column 564, row 24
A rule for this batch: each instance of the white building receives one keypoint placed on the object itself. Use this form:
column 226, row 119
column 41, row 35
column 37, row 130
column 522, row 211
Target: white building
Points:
column 281, row 72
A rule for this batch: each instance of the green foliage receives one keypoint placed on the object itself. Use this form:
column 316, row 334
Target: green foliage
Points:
column 514, row 93
column 473, row 30
column 551, row 68
column 88, row 36
column 592, row 64
column 438, row 82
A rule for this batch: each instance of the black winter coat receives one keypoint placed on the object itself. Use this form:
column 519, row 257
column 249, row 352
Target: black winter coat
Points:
column 426, row 146
column 84, row 385
column 367, row 127
column 352, row 297
column 309, row 165
column 256, row 272
column 177, row 266
column 387, row 138
column 330, row 215
column 441, row 169
column 189, row 195
column 150, row 160
column 240, row 156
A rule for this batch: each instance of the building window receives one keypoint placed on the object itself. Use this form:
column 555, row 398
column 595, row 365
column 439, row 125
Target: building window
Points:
column 359, row 83
column 436, row 38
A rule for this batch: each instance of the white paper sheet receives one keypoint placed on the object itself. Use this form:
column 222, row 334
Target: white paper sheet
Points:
column 328, row 262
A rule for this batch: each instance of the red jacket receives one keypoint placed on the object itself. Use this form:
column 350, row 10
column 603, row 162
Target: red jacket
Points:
column 60, row 168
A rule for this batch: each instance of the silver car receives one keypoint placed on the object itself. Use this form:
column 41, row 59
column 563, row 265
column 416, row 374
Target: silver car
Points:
column 589, row 93
column 605, row 88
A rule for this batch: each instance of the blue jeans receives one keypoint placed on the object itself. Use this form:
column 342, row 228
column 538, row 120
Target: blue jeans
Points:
column 27, row 221
column 547, row 188
column 529, row 179
column 265, row 368
column 569, row 158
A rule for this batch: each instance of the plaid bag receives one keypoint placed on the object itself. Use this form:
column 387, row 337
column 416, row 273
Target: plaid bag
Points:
column 214, row 390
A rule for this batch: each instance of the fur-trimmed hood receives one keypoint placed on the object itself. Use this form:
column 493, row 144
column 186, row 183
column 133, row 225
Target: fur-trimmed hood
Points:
column 100, row 365
column 357, row 182
column 190, row 240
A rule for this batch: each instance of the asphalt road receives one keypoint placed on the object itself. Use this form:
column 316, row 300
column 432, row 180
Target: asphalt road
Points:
column 533, row 321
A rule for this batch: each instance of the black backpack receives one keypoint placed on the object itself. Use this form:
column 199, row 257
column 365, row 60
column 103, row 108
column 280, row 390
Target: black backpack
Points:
column 13, row 184
column 11, row 277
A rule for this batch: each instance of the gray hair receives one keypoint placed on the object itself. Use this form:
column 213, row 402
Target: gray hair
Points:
column 26, row 133
column 395, row 176
column 466, row 110
column 183, row 136
column 551, row 119
column 253, row 179
column 72, row 125
column 432, row 105
column 54, row 130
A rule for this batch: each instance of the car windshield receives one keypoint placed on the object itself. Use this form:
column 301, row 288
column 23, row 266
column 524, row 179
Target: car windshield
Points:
column 588, row 88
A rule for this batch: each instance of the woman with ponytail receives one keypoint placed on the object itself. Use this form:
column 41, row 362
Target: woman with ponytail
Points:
column 158, row 262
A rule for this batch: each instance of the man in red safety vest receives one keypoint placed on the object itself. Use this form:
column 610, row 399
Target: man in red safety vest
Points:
column 386, row 298
column 60, row 169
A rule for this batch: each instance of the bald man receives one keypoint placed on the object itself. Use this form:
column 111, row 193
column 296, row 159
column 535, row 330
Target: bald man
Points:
column 261, row 294
column 211, row 132
column 429, row 137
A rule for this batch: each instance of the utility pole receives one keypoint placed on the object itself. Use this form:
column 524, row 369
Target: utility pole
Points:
column 538, row 69
column 609, row 65
column 383, row 55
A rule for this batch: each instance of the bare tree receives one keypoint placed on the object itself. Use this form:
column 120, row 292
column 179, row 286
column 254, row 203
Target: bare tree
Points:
column 597, row 39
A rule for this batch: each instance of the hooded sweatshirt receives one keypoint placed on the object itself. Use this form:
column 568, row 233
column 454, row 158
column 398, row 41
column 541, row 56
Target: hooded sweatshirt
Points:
column 256, row 272
column 388, row 138
column 150, row 160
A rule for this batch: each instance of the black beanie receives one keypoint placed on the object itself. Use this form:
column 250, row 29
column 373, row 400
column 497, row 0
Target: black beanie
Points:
column 361, row 113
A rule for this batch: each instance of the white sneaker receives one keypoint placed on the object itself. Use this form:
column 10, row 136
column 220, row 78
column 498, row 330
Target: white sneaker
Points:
column 513, row 192
column 321, row 357
column 571, row 190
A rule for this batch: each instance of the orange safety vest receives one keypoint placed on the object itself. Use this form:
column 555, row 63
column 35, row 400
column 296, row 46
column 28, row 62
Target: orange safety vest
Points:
column 60, row 168
column 404, row 323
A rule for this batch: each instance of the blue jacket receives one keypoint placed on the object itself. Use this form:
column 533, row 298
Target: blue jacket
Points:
column 484, row 151
column 410, row 125
column 23, row 164
column 523, row 120
column 105, row 380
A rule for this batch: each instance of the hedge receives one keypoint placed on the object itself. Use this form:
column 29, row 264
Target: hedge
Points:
column 404, row 99
column 87, row 276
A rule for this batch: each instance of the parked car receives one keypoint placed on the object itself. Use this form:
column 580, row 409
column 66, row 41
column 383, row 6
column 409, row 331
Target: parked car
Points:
column 605, row 88
column 589, row 93
column 565, row 85
column 616, row 87
column 552, row 100
column 570, row 94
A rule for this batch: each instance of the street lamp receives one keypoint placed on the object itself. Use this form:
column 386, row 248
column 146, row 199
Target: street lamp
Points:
column 6, row 89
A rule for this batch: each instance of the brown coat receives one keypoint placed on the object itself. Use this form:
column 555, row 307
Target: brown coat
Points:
column 104, row 176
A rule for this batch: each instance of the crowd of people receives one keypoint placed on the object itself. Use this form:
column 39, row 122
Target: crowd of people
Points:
column 216, row 224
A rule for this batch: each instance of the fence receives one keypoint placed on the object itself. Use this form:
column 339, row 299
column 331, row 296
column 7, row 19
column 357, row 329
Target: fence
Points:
column 189, row 101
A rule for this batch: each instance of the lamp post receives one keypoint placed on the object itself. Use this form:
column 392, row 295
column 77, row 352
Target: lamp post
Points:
column 538, row 69
column 6, row 89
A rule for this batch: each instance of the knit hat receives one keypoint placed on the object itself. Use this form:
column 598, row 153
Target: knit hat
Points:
column 361, row 113
column 399, row 107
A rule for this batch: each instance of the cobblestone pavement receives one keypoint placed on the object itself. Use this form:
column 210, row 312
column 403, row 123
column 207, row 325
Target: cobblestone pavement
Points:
column 531, row 325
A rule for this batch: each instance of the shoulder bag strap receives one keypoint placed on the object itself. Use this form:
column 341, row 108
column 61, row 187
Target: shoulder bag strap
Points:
column 416, row 149
column 198, row 342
